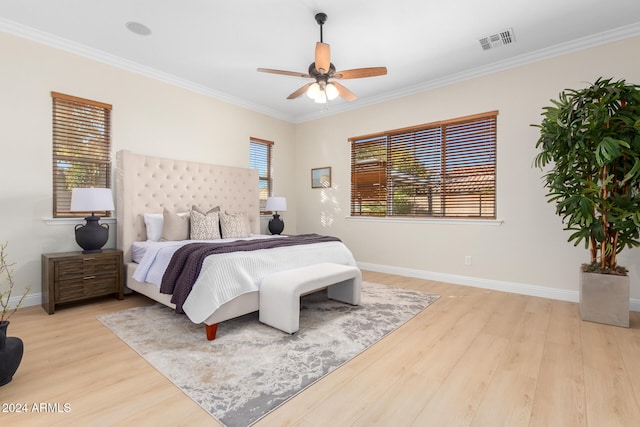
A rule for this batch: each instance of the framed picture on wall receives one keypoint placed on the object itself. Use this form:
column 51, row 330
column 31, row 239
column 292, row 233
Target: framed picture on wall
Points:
column 321, row 177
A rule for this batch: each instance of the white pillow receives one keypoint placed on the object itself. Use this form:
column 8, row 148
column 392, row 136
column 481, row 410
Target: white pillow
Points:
column 153, row 222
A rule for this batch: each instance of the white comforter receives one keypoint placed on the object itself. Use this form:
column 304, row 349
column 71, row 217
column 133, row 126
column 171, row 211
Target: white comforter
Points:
column 153, row 257
column 226, row 276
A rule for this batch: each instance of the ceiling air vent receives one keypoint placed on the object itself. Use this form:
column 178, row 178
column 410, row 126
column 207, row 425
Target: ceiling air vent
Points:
column 497, row 39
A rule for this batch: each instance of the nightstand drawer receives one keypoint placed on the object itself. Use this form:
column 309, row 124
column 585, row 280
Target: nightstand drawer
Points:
column 82, row 267
column 90, row 286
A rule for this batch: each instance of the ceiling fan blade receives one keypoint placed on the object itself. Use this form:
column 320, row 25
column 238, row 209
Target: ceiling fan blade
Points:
column 284, row 73
column 323, row 57
column 300, row 91
column 344, row 92
column 358, row 73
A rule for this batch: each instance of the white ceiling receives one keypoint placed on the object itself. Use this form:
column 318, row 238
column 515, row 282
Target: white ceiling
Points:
column 214, row 46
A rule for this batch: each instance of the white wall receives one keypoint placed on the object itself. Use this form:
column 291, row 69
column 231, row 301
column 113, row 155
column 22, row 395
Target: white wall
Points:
column 528, row 252
column 148, row 116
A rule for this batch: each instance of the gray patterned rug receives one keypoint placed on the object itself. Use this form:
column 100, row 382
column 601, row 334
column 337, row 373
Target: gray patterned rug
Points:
column 251, row 368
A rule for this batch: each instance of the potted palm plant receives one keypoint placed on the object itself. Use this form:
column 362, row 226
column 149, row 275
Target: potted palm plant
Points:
column 590, row 139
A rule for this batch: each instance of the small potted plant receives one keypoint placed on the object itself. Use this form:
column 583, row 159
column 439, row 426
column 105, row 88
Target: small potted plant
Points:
column 590, row 139
column 11, row 348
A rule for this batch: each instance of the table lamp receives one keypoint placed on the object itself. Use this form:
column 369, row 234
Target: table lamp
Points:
column 92, row 236
column 275, row 204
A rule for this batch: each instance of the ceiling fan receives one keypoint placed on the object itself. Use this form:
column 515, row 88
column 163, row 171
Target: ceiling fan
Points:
column 325, row 88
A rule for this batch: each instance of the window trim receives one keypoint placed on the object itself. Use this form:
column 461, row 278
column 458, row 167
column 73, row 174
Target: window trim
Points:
column 386, row 168
column 426, row 125
column 425, row 220
column 72, row 98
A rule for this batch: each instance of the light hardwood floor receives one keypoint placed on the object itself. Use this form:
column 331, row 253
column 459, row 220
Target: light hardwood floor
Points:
column 475, row 357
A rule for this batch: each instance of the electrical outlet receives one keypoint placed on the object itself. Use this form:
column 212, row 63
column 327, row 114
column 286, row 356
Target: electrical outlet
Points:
column 467, row 260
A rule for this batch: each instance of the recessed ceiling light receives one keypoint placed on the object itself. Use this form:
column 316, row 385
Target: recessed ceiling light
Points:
column 138, row 28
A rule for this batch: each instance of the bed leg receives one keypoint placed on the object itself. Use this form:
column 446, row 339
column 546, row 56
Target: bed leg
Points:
column 211, row 331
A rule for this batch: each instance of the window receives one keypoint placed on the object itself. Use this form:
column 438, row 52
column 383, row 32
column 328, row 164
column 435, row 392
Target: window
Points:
column 445, row 169
column 260, row 158
column 81, row 149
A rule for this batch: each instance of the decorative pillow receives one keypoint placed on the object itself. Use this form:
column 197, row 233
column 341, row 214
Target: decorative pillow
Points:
column 204, row 226
column 215, row 209
column 153, row 222
column 175, row 226
column 234, row 225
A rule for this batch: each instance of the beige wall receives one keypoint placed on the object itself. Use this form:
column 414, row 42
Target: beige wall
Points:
column 528, row 252
column 149, row 117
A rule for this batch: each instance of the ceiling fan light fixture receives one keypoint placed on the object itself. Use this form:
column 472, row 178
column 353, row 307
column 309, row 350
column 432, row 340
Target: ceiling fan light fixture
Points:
column 313, row 91
column 322, row 70
column 331, row 91
column 321, row 98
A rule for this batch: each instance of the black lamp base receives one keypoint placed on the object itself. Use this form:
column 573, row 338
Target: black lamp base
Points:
column 276, row 225
column 92, row 236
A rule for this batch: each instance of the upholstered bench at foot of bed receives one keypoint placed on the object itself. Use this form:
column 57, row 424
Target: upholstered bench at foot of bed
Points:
column 280, row 292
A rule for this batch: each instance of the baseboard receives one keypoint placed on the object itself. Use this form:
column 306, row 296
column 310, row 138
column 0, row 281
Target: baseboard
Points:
column 496, row 285
column 30, row 300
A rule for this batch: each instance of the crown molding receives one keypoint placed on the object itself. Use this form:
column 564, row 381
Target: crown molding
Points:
column 125, row 64
column 106, row 58
column 518, row 61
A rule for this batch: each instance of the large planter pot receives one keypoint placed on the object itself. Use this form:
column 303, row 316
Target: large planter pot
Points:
column 11, row 349
column 604, row 298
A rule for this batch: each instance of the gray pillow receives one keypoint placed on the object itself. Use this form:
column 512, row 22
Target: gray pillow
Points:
column 205, row 226
column 234, row 225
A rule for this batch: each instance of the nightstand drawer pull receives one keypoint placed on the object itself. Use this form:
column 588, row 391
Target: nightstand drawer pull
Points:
column 89, row 277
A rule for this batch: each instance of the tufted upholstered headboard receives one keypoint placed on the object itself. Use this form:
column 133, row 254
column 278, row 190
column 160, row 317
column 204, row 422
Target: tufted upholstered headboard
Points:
column 146, row 184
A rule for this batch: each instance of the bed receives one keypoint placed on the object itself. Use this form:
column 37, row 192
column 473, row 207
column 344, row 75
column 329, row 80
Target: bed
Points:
column 149, row 185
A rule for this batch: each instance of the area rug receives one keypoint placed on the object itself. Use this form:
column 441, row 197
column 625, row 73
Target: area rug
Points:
column 251, row 368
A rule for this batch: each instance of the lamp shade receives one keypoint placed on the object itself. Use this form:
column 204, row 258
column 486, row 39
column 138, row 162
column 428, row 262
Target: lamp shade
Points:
column 276, row 204
column 91, row 200
column 313, row 90
column 331, row 91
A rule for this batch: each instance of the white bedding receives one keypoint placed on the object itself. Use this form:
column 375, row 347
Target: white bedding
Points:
column 225, row 276
column 153, row 257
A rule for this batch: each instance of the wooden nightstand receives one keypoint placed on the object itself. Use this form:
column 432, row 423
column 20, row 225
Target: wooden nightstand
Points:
column 74, row 276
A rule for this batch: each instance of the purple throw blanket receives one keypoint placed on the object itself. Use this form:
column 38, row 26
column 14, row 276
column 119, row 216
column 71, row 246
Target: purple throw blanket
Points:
column 186, row 262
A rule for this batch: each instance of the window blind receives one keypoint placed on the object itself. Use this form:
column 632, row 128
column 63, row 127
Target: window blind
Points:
column 81, row 149
column 260, row 159
column 444, row 169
